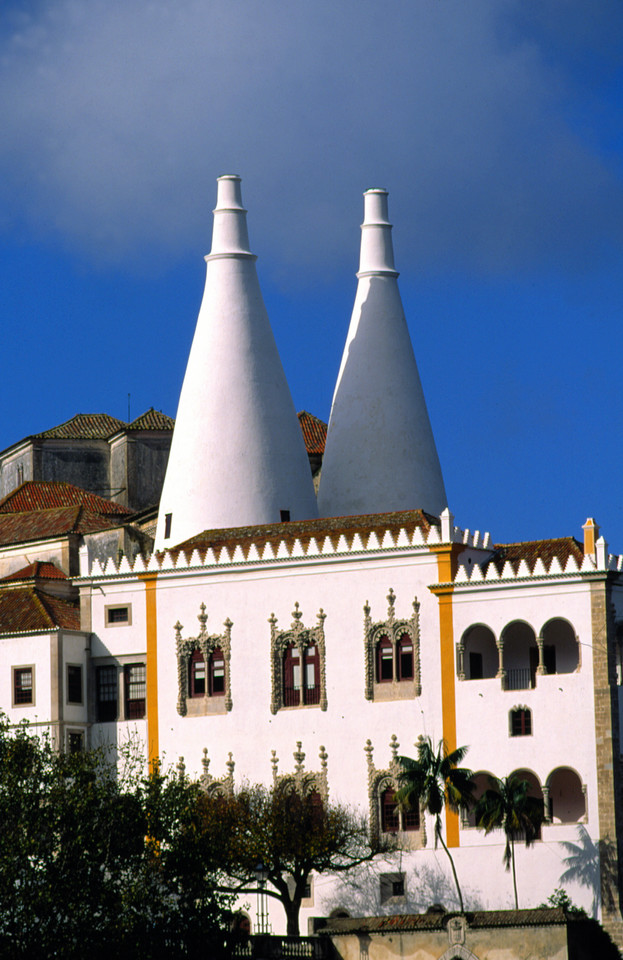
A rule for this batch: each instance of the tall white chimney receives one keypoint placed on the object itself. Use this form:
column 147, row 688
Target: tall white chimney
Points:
column 237, row 456
column 380, row 453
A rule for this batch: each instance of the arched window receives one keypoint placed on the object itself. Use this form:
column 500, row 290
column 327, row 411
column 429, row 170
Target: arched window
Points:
column 197, row 675
column 520, row 722
column 291, row 676
column 311, row 676
column 384, row 660
column 217, row 673
column 567, row 803
column 405, row 657
column 390, row 822
column 520, row 656
column 561, row 653
column 534, row 786
column 480, row 653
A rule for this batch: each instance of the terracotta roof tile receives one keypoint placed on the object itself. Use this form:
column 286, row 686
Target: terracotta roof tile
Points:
column 435, row 920
column 304, row 530
column 30, row 609
column 46, row 494
column 531, row 550
column 84, row 426
column 314, row 432
column 46, row 524
column 40, row 570
column 152, row 420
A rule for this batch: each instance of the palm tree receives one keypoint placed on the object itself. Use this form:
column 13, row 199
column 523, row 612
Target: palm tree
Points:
column 507, row 806
column 434, row 781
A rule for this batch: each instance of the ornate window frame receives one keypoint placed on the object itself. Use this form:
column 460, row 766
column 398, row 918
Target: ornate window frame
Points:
column 378, row 783
column 301, row 637
column 394, row 630
column 205, row 643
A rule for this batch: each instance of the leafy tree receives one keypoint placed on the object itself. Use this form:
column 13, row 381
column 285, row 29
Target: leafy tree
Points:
column 94, row 864
column 291, row 834
column 507, row 806
column 435, row 781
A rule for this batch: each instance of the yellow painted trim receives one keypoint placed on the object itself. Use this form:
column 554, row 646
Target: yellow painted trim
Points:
column 151, row 630
column 446, row 566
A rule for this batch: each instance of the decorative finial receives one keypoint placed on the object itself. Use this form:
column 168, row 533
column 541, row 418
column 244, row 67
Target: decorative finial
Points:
column 391, row 599
column 178, row 627
column 299, row 756
column 324, row 756
column 296, row 613
column 393, row 744
column 205, row 762
column 202, row 617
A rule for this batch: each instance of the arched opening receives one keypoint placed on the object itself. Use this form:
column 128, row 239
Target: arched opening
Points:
column 197, row 675
column 481, row 785
column 480, row 656
column 217, row 673
column 561, row 653
column 384, row 660
column 405, row 657
column 534, row 785
column 520, row 655
column 291, row 676
column 567, row 803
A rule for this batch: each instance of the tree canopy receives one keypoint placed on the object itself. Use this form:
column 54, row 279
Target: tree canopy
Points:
column 292, row 834
column 97, row 864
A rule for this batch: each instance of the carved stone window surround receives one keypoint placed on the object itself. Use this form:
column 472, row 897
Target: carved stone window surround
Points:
column 394, row 630
column 206, row 644
column 378, row 782
column 300, row 637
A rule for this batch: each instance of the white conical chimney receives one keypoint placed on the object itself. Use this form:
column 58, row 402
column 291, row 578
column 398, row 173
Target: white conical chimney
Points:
column 237, row 456
column 380, row 453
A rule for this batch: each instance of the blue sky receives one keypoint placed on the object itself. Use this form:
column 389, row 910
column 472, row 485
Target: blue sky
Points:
column 494, row 124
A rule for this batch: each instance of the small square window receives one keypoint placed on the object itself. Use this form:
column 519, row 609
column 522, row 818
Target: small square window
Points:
column 74, row 683
column 392, row 886
column 23, row 686
column 521, row 722
column 118, row 616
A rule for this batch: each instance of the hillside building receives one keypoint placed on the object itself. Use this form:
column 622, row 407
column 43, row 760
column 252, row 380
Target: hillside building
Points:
column 263, row 640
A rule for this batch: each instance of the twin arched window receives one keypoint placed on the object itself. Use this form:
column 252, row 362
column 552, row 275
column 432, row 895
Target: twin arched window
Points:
column 394, row 664
column 214, row 676
column 394, row 820
column 301, row 681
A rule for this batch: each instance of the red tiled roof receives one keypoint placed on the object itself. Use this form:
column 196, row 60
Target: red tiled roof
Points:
column 47, row 494
column 304, row 530
column 314, row 432
column 47, row 524
column 40, row 570
column 152, row 420
column 530, row 551
column 84, row 426
column 30, row 609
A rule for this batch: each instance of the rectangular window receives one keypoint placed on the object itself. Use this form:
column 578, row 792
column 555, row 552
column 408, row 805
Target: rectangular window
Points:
column 521, row 723
column 167, row 525
column 106, row 691
column 135, row 691
column 118, row 616
column 75, row 741
column 74, row 683
column 23, row 686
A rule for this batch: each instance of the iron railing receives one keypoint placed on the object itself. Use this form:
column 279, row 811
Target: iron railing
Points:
column 269, row 947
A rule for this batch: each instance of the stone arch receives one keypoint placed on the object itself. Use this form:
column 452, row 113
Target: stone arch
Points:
column 478, row 652
column 520, row 655
column 534, row 787
column 481, row 784
column 566, row 796
column 561, row 650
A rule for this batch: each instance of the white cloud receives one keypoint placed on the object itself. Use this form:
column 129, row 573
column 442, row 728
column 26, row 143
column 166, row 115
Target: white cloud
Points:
column 117, row 117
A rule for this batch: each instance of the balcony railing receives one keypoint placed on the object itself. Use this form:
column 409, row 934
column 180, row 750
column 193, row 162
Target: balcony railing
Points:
column 520, row 678
column 268, row 947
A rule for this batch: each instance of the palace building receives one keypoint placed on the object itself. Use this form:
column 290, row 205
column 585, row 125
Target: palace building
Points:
column 274, row 632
